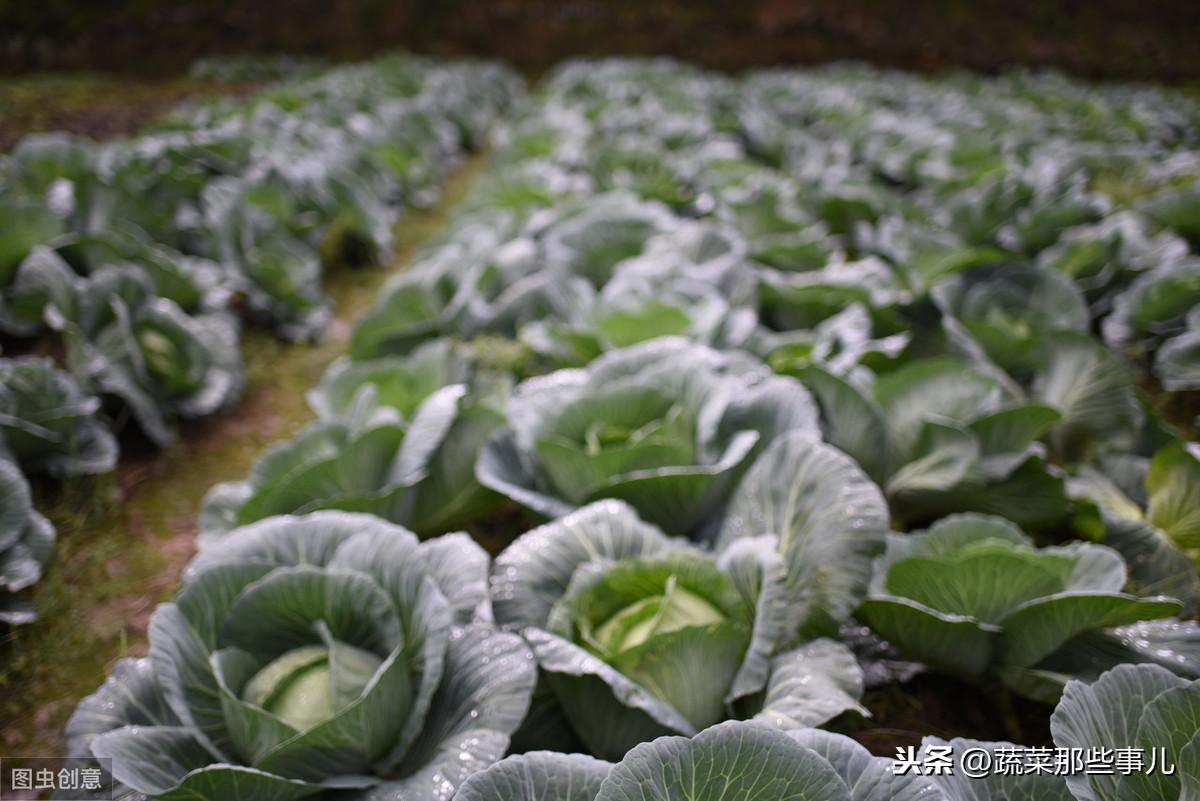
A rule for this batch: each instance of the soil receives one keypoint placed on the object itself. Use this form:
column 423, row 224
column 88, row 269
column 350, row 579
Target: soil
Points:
column 939, row 706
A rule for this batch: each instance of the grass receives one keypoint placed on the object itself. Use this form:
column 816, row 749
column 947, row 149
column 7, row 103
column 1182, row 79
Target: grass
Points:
column 123, row 538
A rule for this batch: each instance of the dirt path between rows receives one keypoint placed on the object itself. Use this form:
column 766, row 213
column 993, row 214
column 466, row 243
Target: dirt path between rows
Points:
column 123, row 539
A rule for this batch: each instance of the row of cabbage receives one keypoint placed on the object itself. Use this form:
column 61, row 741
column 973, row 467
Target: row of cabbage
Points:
column 335, row 655
column 1092, row 184
column 778, row 469
column 142, row 255
column 142, row 252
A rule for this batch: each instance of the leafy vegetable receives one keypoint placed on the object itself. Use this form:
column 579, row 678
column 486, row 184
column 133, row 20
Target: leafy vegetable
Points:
column 940, row 437
column 1177, row 363
column 667, row 426
column 159, row 361
column 638, row 635
column 972, row 596
column 729, row 760
column 1007, row 311
column 830, row 521
column 48, row 423
column 26, row 540
column 1133, row 706
column 1156, row 542
column 394, row 440
column 311, row 654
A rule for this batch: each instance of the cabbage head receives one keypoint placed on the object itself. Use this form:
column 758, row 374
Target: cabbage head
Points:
column 972, row 596
column 161, row 362
column 1006, row 312
column 941, row 436
column 667, row 426
column 638, row 635
column 310, row 654
column 48, row 423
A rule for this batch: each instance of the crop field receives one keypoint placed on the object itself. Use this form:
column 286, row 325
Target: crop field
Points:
column 407, row 430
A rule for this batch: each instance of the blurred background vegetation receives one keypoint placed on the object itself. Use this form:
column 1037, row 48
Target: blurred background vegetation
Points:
column 1157, row 39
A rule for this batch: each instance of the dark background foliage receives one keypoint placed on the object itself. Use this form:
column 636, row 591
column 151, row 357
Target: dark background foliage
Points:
column 1100, row 38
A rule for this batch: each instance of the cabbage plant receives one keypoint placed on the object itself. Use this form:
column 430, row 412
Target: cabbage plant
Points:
column 921, row 254
column 159, row 361
column 941, row 436
column 638, row 635
column 26, row 541
column 1176, row 208
column 1154, row 308
column 27, row 224
column 306, row 655
column 1093, row 390
column 1173, row 495
column 620, row 320
column 779, row 234
column 126, row 337
column 48, row 423
column 1011, row 210
column 1133, row 706
column 409, row 309
column 668, row 426
column 1177, row 363
column 972, row 596
column 735, row 759
column 398, row 382
column 1028, row 328
column 1103, row 258
column 691, row 261
column 607, row 230
column 1006, row 311
column 397, row 437
column 1149, row 511
column 278, row 272
column 483, row 278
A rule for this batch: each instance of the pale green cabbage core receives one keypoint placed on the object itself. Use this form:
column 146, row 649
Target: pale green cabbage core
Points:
column 306, row 686
column 676, row 644
column 675, row 609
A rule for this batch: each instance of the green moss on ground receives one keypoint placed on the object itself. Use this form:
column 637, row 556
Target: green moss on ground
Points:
column 123, row 538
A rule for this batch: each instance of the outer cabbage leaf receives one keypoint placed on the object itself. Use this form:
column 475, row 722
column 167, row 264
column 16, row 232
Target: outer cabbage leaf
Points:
column 26, row 542
column 730, row 760
column 537, row 775
column 1130, row 706
column 731, row 757
column 829, row 519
